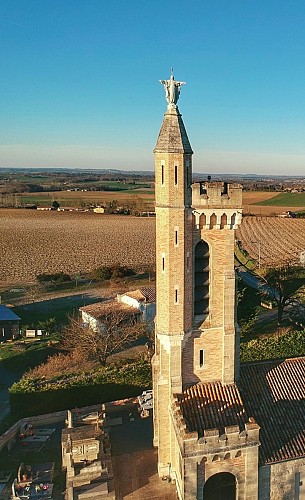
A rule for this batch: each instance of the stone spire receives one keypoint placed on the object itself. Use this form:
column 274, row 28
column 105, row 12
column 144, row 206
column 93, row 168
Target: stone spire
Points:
column 173, row 137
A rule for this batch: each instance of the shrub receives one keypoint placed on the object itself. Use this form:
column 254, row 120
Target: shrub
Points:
column 112, row 272
column 53, row 278
column 33, row 395
column 286, row 345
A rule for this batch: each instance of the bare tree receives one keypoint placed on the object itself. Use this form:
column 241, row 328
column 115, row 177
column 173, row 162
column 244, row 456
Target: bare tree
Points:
column 285, row 285
column 118, row 331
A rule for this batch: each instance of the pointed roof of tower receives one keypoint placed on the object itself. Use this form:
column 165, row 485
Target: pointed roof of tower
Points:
column 173, row 137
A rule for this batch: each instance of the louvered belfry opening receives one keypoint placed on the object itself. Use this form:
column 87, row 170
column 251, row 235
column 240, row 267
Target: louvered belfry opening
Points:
column 202, row 278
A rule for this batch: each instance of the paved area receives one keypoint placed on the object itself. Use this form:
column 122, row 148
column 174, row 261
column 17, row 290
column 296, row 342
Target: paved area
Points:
column 135, row 460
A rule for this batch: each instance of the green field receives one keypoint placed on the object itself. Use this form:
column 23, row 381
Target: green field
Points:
column 284, row 200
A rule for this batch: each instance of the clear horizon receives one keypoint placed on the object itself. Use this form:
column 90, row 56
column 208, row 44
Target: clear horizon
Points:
column 81, row 83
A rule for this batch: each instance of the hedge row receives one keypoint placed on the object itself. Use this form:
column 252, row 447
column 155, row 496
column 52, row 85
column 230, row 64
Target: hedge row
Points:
column 289, row 345
column 32, row 396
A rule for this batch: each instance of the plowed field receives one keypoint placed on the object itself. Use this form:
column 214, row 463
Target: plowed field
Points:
column 33, row 242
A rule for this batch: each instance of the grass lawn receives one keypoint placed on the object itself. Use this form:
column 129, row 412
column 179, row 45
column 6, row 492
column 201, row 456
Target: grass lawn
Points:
column 245, row 260
column 19, row 357
column 284, row 200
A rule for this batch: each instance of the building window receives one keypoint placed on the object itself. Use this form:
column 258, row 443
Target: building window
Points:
column 201, row 358
column 176, row 295
column 187, row 261
column 162, row 175
column 176, row 237
column 163, row 262
column 176, row 175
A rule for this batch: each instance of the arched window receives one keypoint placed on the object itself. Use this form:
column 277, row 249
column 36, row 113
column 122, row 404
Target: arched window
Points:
column 223, row 221
column 221, row 486
column 202, row 221
column 213, row 221
column 202, row 278
column 233, row 220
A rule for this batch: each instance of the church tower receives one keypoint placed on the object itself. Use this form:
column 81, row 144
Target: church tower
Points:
column 174, row 317
column 197, row 405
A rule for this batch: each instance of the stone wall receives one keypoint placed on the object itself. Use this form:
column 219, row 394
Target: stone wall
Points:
column 282, row 481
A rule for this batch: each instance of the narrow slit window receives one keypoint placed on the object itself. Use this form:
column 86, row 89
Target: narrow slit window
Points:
column 176, row 175
column 187, row 261
column 162, row 175
column 163, row 264
column 176, row 295
column 201, row 358
column 176, row 237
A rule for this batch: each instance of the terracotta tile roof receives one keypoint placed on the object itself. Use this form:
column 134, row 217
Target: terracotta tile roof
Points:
column 100, row 309
column 143, row 294
column 212, row 406
column 274, row 393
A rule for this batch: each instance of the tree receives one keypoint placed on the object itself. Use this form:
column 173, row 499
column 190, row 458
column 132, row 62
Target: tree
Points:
column 284, row 286
column 55, row 205
column 118, row 331
column 248, row 300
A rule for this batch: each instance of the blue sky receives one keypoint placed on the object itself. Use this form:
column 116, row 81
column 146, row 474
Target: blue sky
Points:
column 79, row 84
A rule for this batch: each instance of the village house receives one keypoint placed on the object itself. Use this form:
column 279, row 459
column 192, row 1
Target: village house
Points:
column 139, row 305
column 9, row 324
column 143, row 299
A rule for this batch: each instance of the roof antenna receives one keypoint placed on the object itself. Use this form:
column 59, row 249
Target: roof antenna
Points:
column 172, row 72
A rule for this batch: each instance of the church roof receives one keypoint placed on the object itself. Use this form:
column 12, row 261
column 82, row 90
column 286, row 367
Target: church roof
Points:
column 173, row 137
column 212, row 406
column 274, row 393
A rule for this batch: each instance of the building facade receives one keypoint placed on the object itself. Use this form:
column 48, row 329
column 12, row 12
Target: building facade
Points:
column 205, row 424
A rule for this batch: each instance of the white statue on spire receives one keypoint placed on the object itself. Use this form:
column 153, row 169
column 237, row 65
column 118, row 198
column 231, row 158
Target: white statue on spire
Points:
column 172, row 90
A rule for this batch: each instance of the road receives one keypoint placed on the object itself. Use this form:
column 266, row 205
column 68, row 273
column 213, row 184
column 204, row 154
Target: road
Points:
column 254, row 282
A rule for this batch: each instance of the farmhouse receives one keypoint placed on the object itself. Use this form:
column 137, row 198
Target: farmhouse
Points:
column 99, row 210
column 9, row 324
column 139, row 305
column 96, row 315
column 143, row 299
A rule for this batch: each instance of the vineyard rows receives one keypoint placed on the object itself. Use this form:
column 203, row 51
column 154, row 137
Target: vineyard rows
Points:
column 277, row 240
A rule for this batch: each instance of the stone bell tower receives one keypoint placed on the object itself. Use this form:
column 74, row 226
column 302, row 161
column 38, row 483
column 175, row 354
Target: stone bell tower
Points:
column 174, row 318
column 195, row 328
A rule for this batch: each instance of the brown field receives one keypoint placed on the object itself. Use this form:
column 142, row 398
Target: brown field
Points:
column 250, row 197
column 33, row 242
column 256, row 196
column 279, row 240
